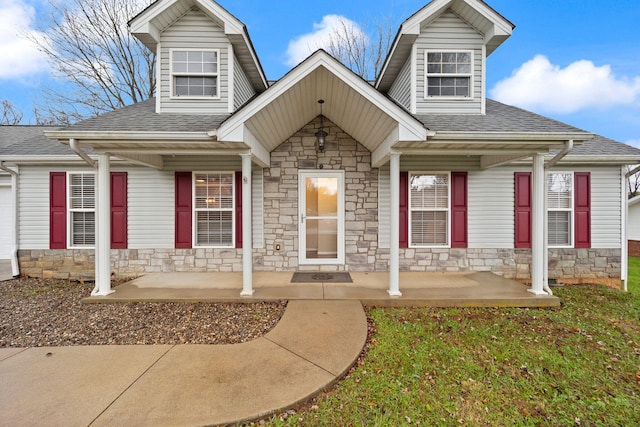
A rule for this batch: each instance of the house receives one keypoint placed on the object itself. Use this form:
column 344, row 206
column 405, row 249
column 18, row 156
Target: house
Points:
column 633, row 225
column 322, row 170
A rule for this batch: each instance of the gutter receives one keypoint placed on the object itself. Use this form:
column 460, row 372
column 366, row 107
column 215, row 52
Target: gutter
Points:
column 633, row 172
column 15, row 266
column 568, row 146
column 75, row 147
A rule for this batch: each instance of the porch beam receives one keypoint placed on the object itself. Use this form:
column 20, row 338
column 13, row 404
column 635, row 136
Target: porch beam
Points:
column 538, row 247
column 247, row 238
column 394, row 235
column 103, row 228
column 149, row 160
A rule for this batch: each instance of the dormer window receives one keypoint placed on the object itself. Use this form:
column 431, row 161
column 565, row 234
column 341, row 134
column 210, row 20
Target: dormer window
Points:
column 194, row 73
column 449, row 74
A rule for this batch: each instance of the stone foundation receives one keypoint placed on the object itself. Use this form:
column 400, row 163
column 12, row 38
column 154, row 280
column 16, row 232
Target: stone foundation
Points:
column 565, row 265
column 634, row 248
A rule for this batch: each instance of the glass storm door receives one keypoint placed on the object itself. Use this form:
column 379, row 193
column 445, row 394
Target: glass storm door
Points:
column 321, row 206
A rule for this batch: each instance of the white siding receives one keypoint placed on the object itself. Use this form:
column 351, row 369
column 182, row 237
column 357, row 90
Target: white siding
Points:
column 400, row 91
column 491, row 208
column 633, row 222
column 151, row 201
column 6, row 220
column 203, row 163
column 33, row 199
column 243, row 91
column 606, row 214
column 194, row 31
column 449, row 32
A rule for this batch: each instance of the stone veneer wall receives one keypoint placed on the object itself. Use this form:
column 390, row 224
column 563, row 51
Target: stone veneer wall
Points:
column 281, row 200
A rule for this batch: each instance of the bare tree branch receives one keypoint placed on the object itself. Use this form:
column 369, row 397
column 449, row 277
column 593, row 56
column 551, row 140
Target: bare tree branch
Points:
column 10, row 114
column 89, row 46
column 363, row 54
column 633, row 181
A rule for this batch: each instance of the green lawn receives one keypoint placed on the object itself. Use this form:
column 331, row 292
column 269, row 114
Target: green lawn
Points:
column 633, row 283
column 578, row 365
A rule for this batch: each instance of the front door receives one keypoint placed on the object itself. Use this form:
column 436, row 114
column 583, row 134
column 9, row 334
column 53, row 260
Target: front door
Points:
column 321, row 201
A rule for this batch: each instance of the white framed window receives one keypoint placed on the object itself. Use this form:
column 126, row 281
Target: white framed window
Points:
column 194, row 73
column 82, row 210
column 429, row 205
column 214, row 206
column 560, row 209
column 448, row 74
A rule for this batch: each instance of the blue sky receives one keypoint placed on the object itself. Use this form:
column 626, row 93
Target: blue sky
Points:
column 577, row 61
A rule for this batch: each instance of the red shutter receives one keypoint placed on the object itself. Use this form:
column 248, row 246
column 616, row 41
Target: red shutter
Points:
column 183, row 210
column 238, row 212
column 58, row 210
column 459, row 210
column 523, row 210
column 404, row 209
column 118, row 210
column 582, row 209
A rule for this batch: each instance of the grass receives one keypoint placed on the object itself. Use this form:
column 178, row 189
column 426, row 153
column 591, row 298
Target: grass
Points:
column 578, row 365
column 633, row 283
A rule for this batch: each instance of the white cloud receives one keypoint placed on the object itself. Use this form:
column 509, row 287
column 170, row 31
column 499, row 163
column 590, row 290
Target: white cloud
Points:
column 301, row 47
column 19, row 56
column 542, row 86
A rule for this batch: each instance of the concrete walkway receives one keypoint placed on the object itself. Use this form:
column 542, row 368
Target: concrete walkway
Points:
column 314, row 344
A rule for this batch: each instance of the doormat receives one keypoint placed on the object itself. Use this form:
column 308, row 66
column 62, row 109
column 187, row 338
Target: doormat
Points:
column 315, row 277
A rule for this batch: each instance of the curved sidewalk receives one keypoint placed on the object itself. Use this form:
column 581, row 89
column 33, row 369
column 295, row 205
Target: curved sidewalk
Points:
column 312, row 346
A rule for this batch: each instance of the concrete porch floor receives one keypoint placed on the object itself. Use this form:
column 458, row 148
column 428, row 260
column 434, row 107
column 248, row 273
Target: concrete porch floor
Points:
column 471, row 289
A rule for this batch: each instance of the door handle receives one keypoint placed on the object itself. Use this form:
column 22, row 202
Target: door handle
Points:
column 302, row 217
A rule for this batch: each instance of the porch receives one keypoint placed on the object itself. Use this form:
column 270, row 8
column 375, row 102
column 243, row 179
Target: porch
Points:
column 469, row 289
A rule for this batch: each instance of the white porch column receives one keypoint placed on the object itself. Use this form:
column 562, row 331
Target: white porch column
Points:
column 538, row 227
column 103, row 227
column 394, row 227
column 247, row 238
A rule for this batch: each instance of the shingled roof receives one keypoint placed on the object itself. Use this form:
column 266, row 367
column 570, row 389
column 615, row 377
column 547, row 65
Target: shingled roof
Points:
column 498, row 118
column 142, row 117
column 29, row 141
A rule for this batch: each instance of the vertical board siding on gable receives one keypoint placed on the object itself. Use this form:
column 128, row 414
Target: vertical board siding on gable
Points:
column 449, row 32
column 243, row 91
column 151, row 211
column 400, row 91
column 194, row 31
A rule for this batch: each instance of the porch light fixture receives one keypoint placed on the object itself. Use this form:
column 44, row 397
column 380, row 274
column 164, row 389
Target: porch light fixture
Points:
column 321, row 135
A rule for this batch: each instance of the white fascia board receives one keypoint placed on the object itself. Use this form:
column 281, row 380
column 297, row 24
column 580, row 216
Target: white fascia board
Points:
column 600, row 160
column 140, row 22
column 500, row 137
column 381, row 155
column 88, row 136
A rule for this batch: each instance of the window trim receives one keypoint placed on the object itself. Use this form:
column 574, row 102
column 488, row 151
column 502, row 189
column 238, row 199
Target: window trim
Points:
column 195, row 210
column 571, row 209
column 448, row 210
column 173, row 75
column 70, row 210
column 470, row 75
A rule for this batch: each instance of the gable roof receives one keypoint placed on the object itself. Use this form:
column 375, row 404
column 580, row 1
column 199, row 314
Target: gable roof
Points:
column 350, row 102
column 494, row 27
column 149, row 24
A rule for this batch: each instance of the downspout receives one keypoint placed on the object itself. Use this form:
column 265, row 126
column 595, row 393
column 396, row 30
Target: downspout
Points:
column 15, row 266
column 568, row 146
column 73, row 143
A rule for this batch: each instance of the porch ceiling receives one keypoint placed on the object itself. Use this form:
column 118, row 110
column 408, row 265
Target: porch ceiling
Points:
column 344, row 106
